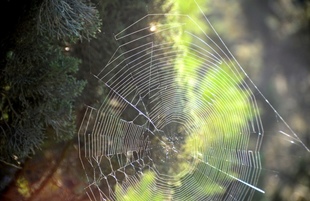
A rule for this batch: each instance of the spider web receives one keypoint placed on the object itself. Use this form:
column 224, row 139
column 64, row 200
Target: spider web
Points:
column 171, row 109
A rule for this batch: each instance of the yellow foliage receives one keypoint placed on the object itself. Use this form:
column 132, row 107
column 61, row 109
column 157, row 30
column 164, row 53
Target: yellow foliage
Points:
column 23, row 187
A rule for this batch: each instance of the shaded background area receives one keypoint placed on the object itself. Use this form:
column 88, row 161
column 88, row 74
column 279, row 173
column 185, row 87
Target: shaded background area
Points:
column 270, row 39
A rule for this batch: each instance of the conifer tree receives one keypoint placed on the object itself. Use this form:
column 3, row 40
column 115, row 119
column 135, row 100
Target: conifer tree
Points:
column 37, row 81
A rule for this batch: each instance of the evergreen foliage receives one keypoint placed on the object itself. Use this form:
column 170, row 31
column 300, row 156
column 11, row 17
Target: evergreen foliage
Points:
column 68, row 19
column 37, row 81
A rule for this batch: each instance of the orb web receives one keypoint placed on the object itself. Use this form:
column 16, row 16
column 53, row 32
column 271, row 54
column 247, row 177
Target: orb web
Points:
column 178, row 107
